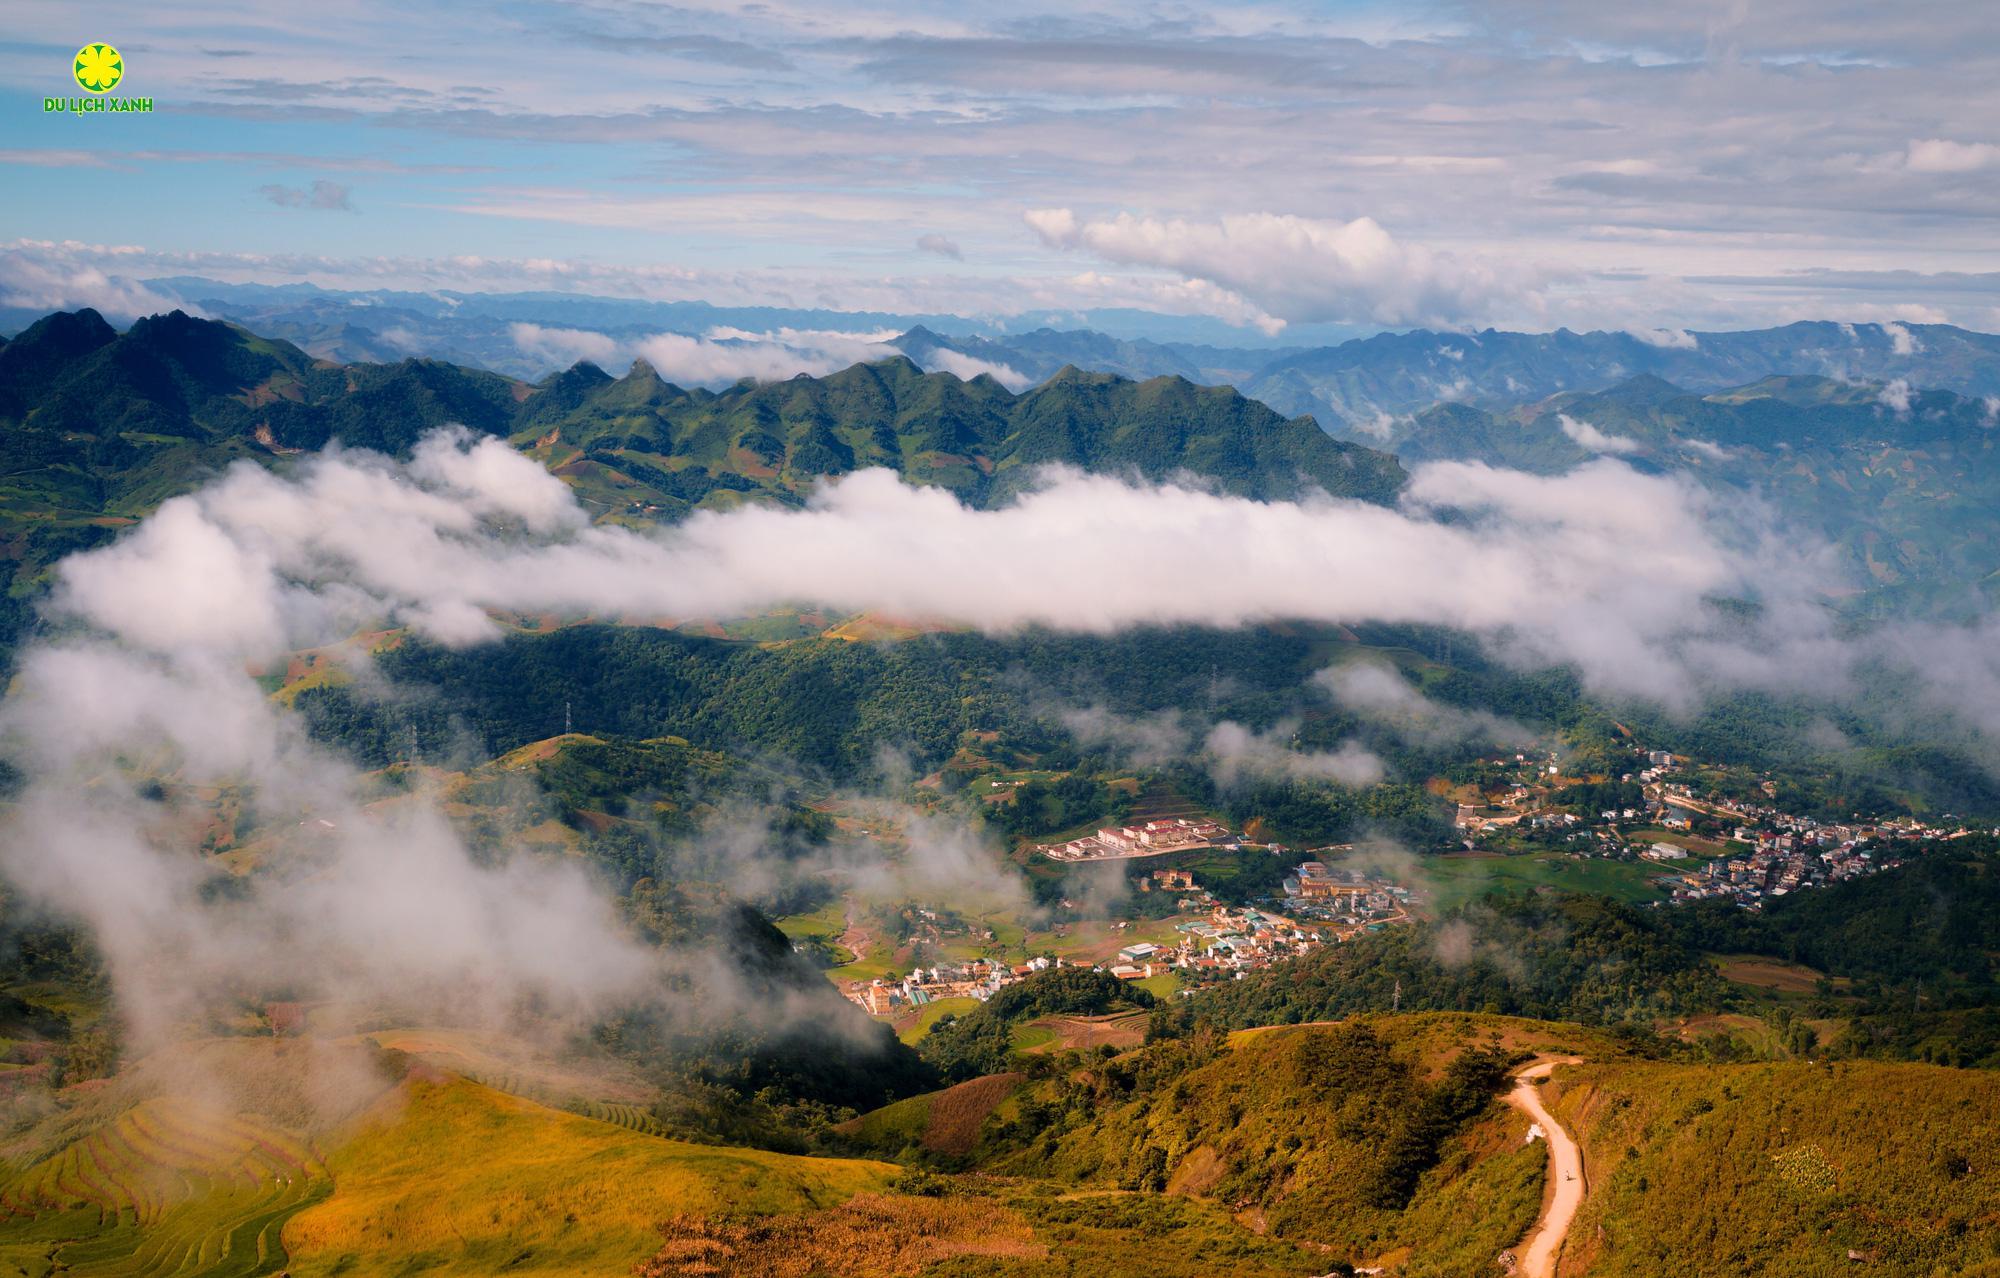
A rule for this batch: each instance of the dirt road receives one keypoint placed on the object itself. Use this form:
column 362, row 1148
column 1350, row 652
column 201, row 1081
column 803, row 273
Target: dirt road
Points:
column 852, row 938
column 1543, row 1247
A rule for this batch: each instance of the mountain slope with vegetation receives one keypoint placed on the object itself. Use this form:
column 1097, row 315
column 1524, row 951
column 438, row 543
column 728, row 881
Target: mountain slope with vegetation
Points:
column 1904, row 481
column 1790, row 1170
column 97, row 427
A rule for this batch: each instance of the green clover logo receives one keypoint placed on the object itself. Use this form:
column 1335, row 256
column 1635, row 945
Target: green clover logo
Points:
column 99, row 68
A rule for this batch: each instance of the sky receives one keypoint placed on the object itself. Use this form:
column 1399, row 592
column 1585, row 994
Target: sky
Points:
column 1284, row 169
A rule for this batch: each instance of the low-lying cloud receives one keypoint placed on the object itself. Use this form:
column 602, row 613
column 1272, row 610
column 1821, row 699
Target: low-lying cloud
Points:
column 1586, row 436
column 722, row 356
column 1297, row 269
column 1379, row 693
column 40, row 281
column 1236, row 753
column 1603, row 568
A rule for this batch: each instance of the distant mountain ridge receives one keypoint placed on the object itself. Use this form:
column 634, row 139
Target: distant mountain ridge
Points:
column 97, row 427
column 1352, row 388
column 1906, row 482
column 651, row 441
column 1355, row 388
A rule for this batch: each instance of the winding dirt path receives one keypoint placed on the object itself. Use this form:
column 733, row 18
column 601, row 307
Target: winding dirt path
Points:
column 852, row 938
column 1538, row 1253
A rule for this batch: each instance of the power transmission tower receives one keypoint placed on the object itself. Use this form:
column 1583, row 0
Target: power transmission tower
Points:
column 1396, row 997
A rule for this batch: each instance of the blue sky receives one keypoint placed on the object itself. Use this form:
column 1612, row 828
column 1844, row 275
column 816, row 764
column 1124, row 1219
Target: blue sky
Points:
column 1277, row 167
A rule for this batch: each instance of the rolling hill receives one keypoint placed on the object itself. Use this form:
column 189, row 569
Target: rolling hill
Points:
column 1380, row 1141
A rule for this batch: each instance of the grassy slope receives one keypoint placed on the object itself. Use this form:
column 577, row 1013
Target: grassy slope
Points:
column 1782, row 1169
column 465, row 1180
column 448, row 1177
column 164, row 1187
column 1454, row 880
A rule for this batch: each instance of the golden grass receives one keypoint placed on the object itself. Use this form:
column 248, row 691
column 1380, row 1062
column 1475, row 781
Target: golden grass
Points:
column 871, row 1236
column 167, row 1186
column 1783, row 1169
column 465, row 1180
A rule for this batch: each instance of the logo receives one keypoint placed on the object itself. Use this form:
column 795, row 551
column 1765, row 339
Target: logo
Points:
column 98, row 68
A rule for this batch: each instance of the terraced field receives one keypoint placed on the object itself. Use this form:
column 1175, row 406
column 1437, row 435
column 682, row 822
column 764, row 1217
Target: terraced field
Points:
column 633, row 1118
column 164, row 1188
column 458, row 1179
column 449, row 1177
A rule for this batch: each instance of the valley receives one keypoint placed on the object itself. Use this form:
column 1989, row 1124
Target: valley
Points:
column 964, row 949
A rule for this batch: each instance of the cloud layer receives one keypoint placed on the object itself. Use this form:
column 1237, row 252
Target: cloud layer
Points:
column 1714, row 165
column 1304, row 269
column 1614, row 572
column 722, row 356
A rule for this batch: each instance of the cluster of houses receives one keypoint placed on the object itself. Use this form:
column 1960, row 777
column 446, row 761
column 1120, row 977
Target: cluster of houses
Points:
column 1149, row 838
column 1230, row 942
column 1784, row 852
column 1223, row 943
column 1776, row 852
column 1770, row 871
column 1350, row 901
column 1802, row 853
column 974, row 978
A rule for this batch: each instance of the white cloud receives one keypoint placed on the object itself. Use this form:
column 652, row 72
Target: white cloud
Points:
column 563, row 345
column 37, row 282
column 1305, row 269
column 1236, row 753
column 321, row 195
column 1379, row 692
column 1587, row 436
column 1671, row 338
column 1707, row 448
column 1895, row 396
column 724, row 355
column 1941, row 155
column 1901, row 340
column 1381, row 426
column 941, row 245
column 967, row 367
column 1146, row 741
column 1604, row 567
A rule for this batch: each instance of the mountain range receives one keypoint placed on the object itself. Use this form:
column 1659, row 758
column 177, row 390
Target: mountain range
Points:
column 1353, row 387
column 1361, row 385
column 97, row 427
column 100, row 426
column 1091, row 1123
column 1900, row 480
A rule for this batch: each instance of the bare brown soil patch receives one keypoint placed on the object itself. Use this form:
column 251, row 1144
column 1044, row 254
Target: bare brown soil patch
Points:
column 1121, row 1030
column 1197, row 1173
column 957, row 1113
column 1771, row 974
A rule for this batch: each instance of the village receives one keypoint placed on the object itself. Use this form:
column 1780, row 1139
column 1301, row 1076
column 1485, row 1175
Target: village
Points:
column 1149, row 838
column 1708, row 847
column 1704, row 847
column 1214, row 942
